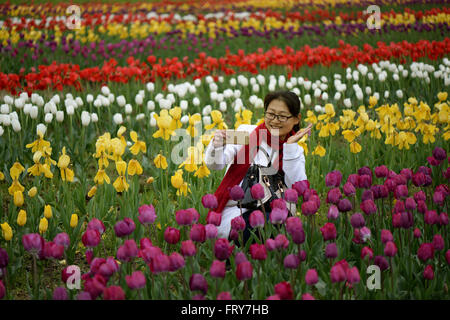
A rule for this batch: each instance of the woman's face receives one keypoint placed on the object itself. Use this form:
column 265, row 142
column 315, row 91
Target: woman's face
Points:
column 276, row 126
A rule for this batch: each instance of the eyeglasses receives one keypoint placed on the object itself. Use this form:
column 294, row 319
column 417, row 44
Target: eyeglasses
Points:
column 272, row 116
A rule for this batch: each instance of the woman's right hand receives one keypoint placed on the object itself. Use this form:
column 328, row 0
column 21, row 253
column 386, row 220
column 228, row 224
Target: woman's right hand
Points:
column 219, row 138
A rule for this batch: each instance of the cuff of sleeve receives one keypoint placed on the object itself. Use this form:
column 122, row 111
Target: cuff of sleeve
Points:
column 291, row 151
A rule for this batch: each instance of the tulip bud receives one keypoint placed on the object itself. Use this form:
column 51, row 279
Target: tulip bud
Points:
column 74, row 220
column 22, row 218
column 43, row 225
column 18, row 198
column 48, row 211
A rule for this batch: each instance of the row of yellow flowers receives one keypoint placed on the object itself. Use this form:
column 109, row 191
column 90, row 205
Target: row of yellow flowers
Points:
column 140, row 30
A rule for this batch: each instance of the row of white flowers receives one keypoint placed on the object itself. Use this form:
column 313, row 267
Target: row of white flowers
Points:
column 239, row 92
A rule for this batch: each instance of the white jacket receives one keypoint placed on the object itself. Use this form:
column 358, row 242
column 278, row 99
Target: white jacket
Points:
column 217, row 158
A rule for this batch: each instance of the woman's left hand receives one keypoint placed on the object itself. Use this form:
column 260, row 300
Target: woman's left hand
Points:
column 296, row 137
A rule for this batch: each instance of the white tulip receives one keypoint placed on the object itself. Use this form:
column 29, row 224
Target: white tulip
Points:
column 85, row 118
column 184, row 119
column 237, row 93
column 97, row 103
column 405, row 73
column 40, row 101
column 355, row 75
column 150, row 105
column 271, row 87
column 24, row 96
column 128, row 108
column 165, row 104
column 1, row 131
column 349, row 76
column 118, row 118
column 368, row 90
column 395, row 77
column 79, row 101
column 27, row 108
column 237, row 108
column 300, row 81
column 315, row 86
column 223, row 106
column 152, row 122
column 41, row 128
column 259, row 103
column 323, row 86
column 140, row 116
column 121, row 101
column 171, row 98
column 213, row 96
column 296, row 91
column 47, row 107
column 16, row 125
column 19, row 103
column 307, row 99
column 261, row 79
column 158, row 97
column 359, row 95
column 3, row 118
column 252, row 99
column 317, row 93
column 337, row 76
column 139, row 100
column 252, row 81
column 4, row 108
column 337, row 96
column 447, row 81
column 376, row 95
column 220, row 97
column 89, row 98
column 427, row 80
column 399, row 93
column 196, row 101
column 347, row 102
column 293, row 81
column 206, row 110
column 206, row 120
column 34, row 112
column 183, row 105
column 370, row 76
column 150, row 87
column 281, row 81
column 48, row 117
column 318, row 108
column 255, row 88
column 233, row 82
column 228, row 93
column 221, row 79
column 325, row 96
column 105, row 91
column 198, row 82
column 34, row 97
column 209, row 79
column 56, row 99
column 94, row 117
column 59, row 116
column 386, row 94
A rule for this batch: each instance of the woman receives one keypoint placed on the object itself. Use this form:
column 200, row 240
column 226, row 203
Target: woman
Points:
column 277, row 135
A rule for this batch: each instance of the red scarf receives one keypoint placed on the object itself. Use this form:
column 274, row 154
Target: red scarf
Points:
column 237, row 172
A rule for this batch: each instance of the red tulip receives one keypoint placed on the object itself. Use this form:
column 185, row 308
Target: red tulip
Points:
column 198, row 233
column 113, row 293
column 258, row 251
column 91, row 238
column 328, row 231
column 244, row 271
column 172, row 235
column 390, row 249
column 428, row 273
column 284, row 290
column 426, row 251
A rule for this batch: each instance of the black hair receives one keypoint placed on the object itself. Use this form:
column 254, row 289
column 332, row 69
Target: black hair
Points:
column 289, row 98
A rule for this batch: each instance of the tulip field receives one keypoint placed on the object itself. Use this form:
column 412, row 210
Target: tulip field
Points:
column 106, row 110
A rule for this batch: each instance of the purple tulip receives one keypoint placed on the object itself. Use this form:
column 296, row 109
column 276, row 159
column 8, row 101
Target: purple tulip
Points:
column 337, row 274
column 333, row 178
column 214, row 218
column 237, row 193
column 291, row 195
column 278, row 216
column 353, row 275
column 53, row 250
column 344, row 205
column 368, row 207
column 311, row 277
column 431, row 217
column 124, row 227
column 439, row 154
column 127, row 251
column 293, row 224
column 386, row 236
column 379, row 191
column 176, row 261
column 224, row 296
column 211, row 231
column 256, row 219
column 364, row 181
column 184, row 217
column 257, row 191
column 357, row 220
column 439, row 198
column 96, row 224
column 443, row 219
column 334, row 196
column 33, row 242
column 301, row 187
column 217, row 269
column 136, row 280
column 160, row 263
column 381, row 171
column 410, row 204
column 419, row 179
column 198, row 282
column 244, row 271
column 291, row 261
column 91, row 238
column 331, row 251
column 209, row 201
column 198, row 233
column 60, row 293
column 333, row 212
column 367, row 195
column 425, row 252
column 62, row 239
column 381, row 262
column 4, row 258
column 147, row 214
column 188, row 248
column 417, row 233
column 390, row 249
column 438, row 242
column 401, row 192
column 365, row 171
column 222, row 249
column 349, row 189
column 309, row 208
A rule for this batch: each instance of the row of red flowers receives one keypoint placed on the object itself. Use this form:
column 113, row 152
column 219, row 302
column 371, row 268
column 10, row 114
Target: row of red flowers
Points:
column 105, row 18
column 58, row 76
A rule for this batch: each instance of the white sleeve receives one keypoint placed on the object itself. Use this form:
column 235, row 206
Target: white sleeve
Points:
column 218, row 158
column 293, row 164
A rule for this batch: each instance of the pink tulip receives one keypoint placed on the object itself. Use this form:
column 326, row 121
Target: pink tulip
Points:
column 334, row 196
column 217, row 269
column 124, row 227
column 311, row 277
column 147, row 214
column 244, row 271
column 96, row 224
column 333, row 212
column 438, row 242
column 353, row 275
column 331, row 251
column 113, row 293
column 62, row 239
column 256, row 219
column 237, row 193
column 386, row 236
column 60, row 293
column 258, row 251
column 291, row 261
column 222, row 249
column 176, row 261
column 257, row 191
column 284, row 290
column 91, row 238
column 160, row 263
column 209, row 201
column 224, row 296
column 198, row 233
column 344, row 205
column 337, row 274
column 238, row 223
column 368, row 207
column 307, row 296
column 214, row 218
column 172, row 235
column 136, row 280
column 417, row 233
column 349, row 189
column 381, row 171
column 211, row 231
column 291, row 195
column 390, row 249
column 188, row 248
column 184, row 217
column 426, row 251
column 278, row 216
column 366, row 252
column 333, row 178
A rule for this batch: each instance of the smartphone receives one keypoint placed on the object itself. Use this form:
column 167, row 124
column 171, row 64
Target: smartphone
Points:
column 237, row 137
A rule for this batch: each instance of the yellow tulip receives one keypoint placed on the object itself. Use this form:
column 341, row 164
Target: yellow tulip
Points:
column 442, row 96
column 138, row 145
column 16, row 170
column 101, row 176
column 202, row 171
column 32, row 192
column 18, row 198
column 43, row 225
column 48, row 211
column 7, row 231
column 74, row 220
column 134, row 167
column 15, row 186
column 2, row 176
column 160, row 162
column 22, row 218
column 372, row 101
column 92, row 192
column 150, row 180
column 319, row 151
column 177, row 179
column 355, row 147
